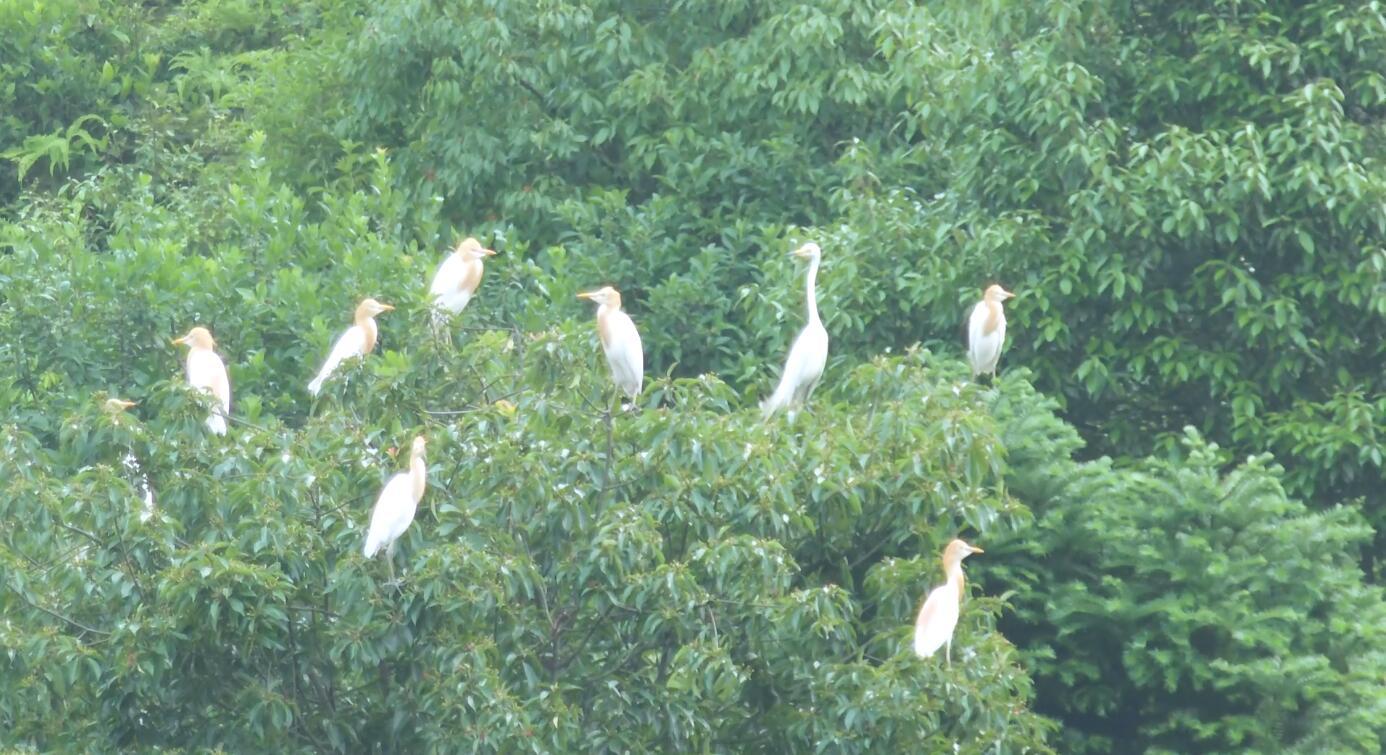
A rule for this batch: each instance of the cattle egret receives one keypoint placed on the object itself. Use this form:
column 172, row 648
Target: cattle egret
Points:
column 939, row 615
column 206, row 372
column 809, row 353
column 986, row 331
column 394, row 509
column 457, row 279
column 357, row 341
column 620, row 341
column 115, row 407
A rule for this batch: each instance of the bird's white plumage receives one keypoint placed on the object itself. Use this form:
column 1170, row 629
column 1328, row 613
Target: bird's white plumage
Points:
column 809, row 354
column 983, row 348
column 447, row 289
column 350, row 344
column 392, row 515
column 207, row 372
column 624, row 353
column 394, row 509
column 986, row 331
column 802, row 370
column 457, row 278
column 937, row 619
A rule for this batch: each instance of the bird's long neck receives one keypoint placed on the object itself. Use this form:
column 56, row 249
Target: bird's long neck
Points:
column 604, row 315
column 995, row 316
column 367, row 324
column 418, row 475
column 955, row 575
column 810, row 286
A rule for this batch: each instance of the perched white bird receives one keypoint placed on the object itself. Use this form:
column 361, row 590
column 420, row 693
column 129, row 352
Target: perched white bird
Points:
column 207, row 373
column 939, row 615
column 620, row 341
column 986, row 331
column 809, row 353
column 394, row 509
column 357, row 341
column 115, row 407
column 457, row 279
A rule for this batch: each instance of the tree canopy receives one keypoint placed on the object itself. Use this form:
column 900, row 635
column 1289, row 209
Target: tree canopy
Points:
column 1177, row 477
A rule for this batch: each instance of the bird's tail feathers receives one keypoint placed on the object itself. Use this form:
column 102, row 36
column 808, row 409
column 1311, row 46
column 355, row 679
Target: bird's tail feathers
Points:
column 372, row 547
column 778, row 400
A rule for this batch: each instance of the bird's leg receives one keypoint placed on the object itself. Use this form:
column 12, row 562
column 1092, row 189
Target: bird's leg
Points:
column 948, row 651
column 390, row 562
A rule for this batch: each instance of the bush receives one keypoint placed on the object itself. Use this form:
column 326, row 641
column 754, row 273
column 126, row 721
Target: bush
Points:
column 1170, row 607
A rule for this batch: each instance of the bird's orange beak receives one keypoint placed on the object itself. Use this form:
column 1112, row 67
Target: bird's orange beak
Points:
column 975, row 549
column 587, row 294
column 488, row 252
column 1007, row 294
column 387, row 307
column 180, row 340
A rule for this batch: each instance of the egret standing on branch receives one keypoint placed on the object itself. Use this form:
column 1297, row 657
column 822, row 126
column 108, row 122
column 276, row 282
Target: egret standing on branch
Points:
column 620, row 341
column 986, row 331
column 939, row 615
column 357, row 341
column 394, row 509
column 206, row 372
column 809, row 353
column 116, row 408
column 457, row 279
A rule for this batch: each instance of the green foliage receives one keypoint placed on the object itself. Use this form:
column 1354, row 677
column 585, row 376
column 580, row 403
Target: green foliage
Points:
column 682, row 577
column 1170, row 607
column 1186, row 195
column 1195, row 229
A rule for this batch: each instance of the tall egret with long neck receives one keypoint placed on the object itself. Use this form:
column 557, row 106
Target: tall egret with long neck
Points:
column 394, row 509
column 939, row 615
column 986, row 331
column 457, row 279
column 116, row 408
column 207, row 373
column 809, row 353
column 620, row 341
column 357, row 341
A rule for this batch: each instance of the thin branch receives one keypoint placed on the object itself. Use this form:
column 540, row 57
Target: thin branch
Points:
column 70, row 622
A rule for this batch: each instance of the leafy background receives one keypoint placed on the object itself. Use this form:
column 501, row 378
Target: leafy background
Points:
column 1178, row 479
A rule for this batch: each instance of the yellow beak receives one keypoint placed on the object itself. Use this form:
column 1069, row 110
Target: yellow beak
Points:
column 386, row 307
column 975, row 549
column 180, row 341
column 488, row 252
column 587, row 294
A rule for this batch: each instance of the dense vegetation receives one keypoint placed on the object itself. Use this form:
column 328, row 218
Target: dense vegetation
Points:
column 1178, row 478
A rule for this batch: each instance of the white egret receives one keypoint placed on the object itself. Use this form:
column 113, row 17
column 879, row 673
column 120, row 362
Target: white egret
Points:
column 357, row 341
column 620, row 341
column 206, row 372
column 115, row 407
column 394, row 509
column 939, row 615
column 986, row 331
column 809, row 353
column 457, row 279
